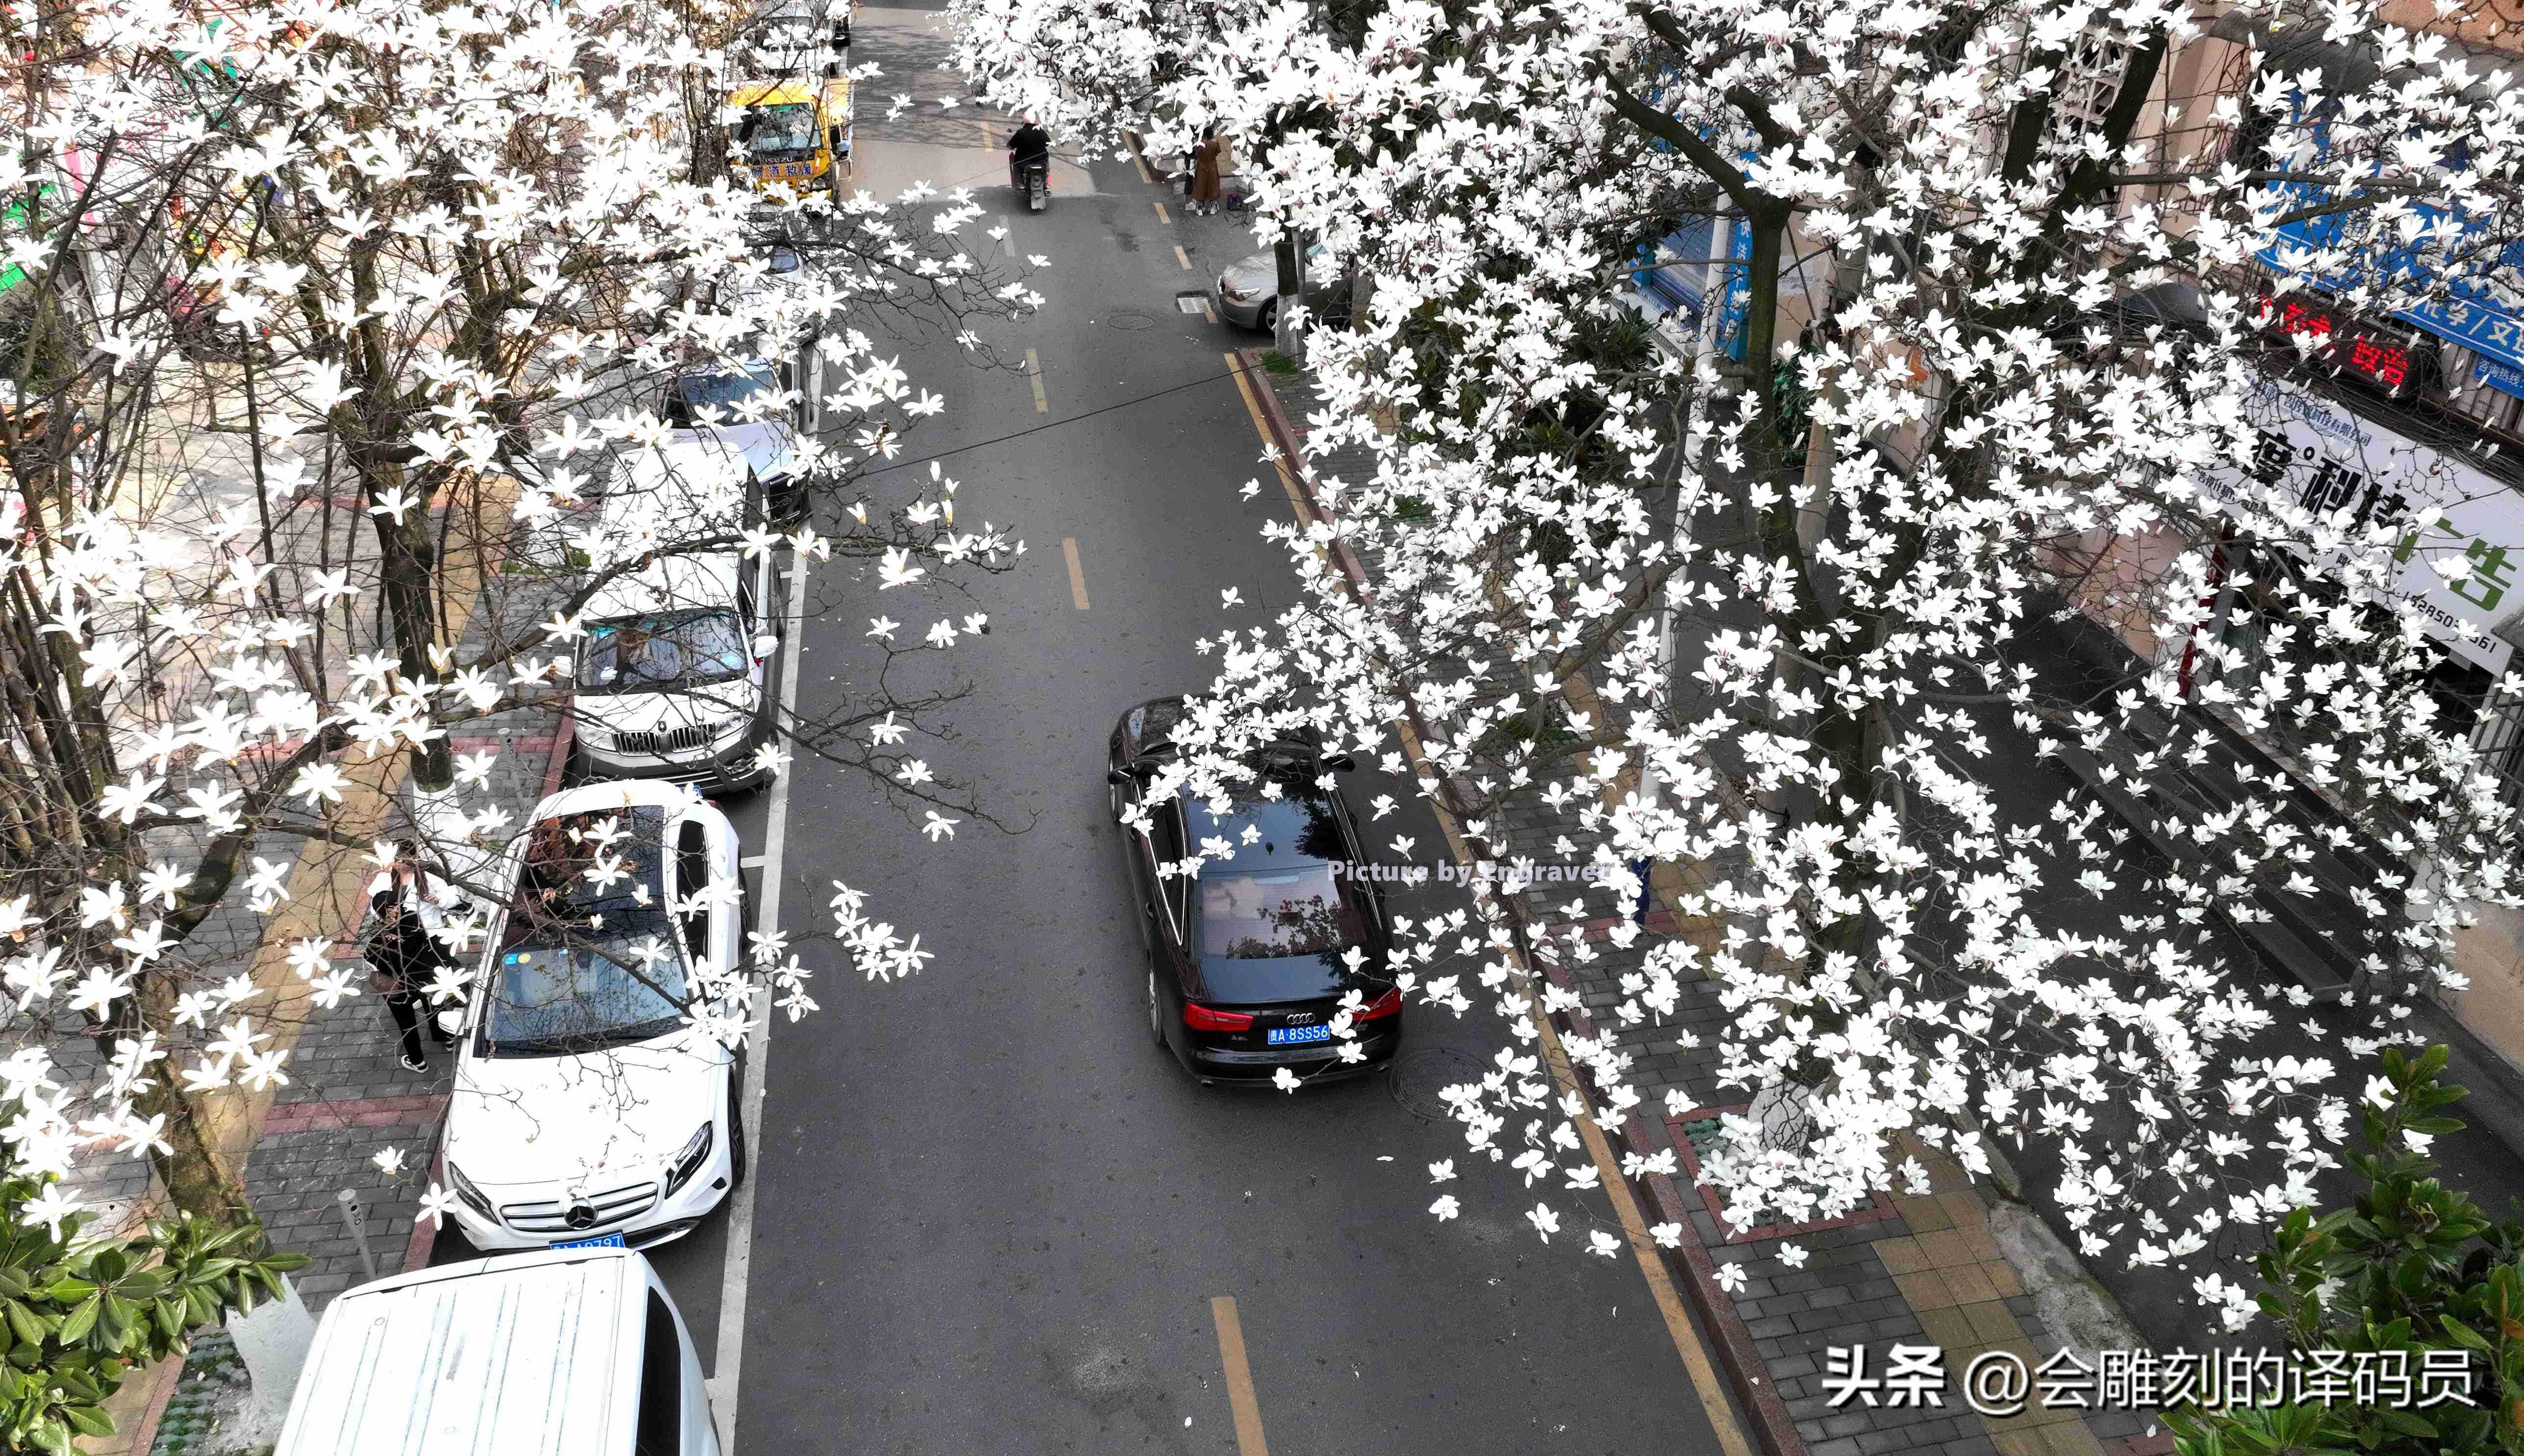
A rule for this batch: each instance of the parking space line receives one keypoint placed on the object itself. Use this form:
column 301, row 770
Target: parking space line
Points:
column 1034, row 374
column 1183, row 258
column 1077, row 573
column 1162, row 211
column 1239, row 1379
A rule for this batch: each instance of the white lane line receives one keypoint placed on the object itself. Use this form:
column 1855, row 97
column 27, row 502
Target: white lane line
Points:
column 723, row 1386
column 751, row 862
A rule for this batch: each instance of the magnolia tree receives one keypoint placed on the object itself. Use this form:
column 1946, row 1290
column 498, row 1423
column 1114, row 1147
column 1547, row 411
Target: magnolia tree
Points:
column 340, row 342
column 1776, row 608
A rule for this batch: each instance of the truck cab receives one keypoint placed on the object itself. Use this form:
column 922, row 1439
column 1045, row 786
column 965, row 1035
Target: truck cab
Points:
column 795, row 126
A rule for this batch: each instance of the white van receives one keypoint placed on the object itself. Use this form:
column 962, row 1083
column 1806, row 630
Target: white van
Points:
column 672, row 675
column 571, row 1352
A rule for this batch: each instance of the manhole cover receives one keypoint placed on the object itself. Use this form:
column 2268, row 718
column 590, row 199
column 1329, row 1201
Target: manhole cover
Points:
column 1129, row 321
column 1191, row 303
column 1420, row 1073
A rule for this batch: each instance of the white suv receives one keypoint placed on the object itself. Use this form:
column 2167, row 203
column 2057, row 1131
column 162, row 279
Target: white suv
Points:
column 587, row 1107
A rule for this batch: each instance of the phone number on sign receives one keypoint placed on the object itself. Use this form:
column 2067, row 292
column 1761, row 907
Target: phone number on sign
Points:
column 1999, row 1382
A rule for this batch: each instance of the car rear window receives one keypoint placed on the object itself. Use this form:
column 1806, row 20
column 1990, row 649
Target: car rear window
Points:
column 1266, row 914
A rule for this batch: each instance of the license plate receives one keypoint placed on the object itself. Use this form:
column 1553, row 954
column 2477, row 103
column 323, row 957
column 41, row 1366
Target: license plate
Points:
column 609, row 1241
column 1297, row 1036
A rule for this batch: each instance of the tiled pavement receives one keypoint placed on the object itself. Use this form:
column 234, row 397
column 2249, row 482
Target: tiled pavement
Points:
column 347, row 1098
column 1921, row 1271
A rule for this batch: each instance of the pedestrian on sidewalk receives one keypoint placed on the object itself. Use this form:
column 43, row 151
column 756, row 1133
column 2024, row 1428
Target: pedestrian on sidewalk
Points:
column 1208, row 160
column 403, row 959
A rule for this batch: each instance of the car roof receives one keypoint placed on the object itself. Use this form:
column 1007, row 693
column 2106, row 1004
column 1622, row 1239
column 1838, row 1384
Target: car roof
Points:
column 532, row 1355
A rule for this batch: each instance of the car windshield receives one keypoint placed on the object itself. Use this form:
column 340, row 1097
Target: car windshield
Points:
column 609, row 979
column 727, row 391
column 772, row 134
column 636, row 654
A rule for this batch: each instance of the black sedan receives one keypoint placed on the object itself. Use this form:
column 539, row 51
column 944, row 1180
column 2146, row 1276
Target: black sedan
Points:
column 1248, row 964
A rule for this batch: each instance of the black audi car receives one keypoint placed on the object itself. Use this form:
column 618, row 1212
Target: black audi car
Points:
column 1248, row 964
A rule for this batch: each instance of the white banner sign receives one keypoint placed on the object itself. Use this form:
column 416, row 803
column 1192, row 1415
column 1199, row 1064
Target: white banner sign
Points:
column 2451, row 515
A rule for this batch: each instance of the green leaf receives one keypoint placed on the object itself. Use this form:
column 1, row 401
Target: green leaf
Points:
column 83, row 1318
column 2463, row 1334
column 26, row 1325
column 88, row 1419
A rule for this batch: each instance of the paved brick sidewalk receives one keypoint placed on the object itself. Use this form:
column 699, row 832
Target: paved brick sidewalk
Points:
column 347, row 1098
column 1912, row 1271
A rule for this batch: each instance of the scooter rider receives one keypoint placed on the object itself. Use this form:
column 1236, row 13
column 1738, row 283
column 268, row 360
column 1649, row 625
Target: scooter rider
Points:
column 1029, row 146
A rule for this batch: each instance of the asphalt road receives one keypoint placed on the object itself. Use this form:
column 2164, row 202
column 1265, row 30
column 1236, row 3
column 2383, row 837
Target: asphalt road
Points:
column 991, row 1217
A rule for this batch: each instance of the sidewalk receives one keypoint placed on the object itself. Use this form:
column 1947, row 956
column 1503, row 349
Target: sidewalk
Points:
column 347, row 1098
column 1910, row 1270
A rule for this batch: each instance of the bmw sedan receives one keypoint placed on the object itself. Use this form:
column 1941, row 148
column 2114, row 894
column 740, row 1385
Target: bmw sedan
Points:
column 1270, row 958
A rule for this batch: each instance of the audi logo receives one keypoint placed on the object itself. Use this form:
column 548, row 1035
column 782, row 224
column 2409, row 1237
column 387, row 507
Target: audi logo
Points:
column 1294, row 1018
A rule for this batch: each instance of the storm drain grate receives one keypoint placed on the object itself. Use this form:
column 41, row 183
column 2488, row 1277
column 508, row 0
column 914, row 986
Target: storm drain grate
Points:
column 1192, row 303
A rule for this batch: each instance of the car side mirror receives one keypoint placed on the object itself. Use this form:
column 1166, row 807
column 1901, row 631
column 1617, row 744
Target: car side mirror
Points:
column 451, row 1020
column 1340, row 763
column 1119, row 776
column 765, row 646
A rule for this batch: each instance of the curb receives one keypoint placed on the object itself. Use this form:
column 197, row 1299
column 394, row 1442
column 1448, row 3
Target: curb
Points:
column 1746, row 1374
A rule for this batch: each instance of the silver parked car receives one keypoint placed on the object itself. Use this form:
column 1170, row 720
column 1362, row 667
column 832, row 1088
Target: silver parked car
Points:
column 1246, row 294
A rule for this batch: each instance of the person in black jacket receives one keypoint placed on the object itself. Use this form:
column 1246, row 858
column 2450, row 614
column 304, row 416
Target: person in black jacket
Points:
column 403, row 959
column 1030, row 144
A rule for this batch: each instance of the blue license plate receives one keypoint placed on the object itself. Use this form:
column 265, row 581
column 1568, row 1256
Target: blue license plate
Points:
column 1297, row 1036
column 609, row 1241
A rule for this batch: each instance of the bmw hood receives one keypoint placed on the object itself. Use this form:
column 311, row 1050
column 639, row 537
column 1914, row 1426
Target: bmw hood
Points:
column 608, row 1117
column 768, row 444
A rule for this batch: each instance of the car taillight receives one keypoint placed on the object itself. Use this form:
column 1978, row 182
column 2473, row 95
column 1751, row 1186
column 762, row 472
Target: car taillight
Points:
column 1203, row 1018
column 1385, row 1006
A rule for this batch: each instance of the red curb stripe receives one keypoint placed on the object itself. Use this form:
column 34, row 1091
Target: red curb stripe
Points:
column 371, row 1112
column 538, row 744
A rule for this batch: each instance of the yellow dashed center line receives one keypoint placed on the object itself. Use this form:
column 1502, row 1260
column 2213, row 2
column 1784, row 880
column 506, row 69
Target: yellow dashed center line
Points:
column 1240, row 1379
column 1009, row 240
column 1077, row 573
column 1183, row 258
column 1162, row 211
column 1034, row 375
column 1146, row 173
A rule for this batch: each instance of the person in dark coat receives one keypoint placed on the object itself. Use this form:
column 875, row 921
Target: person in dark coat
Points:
column 403, row 959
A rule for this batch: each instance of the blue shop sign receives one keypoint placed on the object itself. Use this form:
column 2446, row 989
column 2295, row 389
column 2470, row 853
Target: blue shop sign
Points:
column 2470, row 318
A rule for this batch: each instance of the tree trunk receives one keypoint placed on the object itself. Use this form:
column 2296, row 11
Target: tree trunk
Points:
column 1284, row 334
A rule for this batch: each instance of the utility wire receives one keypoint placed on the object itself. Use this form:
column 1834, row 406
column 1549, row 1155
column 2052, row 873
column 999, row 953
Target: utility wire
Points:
column 1052, row 424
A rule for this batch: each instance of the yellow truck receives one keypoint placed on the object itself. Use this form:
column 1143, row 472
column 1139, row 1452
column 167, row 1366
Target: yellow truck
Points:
column 794, row 132
column 795, row 121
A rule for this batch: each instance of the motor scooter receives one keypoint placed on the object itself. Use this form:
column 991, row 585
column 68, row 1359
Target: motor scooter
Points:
column 1034, row 179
